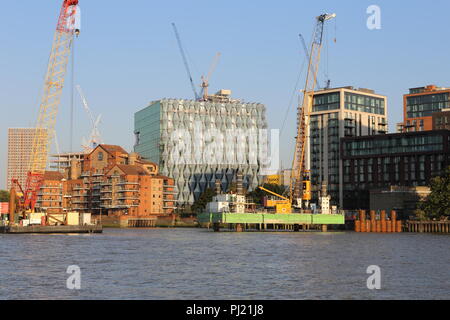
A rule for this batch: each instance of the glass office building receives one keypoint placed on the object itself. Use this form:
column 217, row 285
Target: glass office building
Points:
column 337, row 113
column 198, row 142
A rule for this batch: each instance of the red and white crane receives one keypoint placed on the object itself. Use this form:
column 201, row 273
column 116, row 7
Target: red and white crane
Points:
column 67, row 29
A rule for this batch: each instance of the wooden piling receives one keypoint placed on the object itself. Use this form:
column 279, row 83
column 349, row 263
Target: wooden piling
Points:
column 383, row 221
column 373, row 222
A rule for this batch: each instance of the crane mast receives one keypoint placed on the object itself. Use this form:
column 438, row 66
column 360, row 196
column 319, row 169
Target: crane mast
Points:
column 300, row 183
column 95, row 138
column 66, row 29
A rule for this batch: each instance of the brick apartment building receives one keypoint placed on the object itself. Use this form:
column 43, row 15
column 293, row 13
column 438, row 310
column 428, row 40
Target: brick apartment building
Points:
column 109, row 181
column 419, row 106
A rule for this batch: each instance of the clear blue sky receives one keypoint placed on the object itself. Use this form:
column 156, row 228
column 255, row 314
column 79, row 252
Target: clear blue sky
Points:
column 127, row 56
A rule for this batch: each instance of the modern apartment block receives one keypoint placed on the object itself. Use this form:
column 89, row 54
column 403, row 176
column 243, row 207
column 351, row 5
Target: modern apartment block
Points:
column 108, row 181
column 198, row 142
column 441, row 120
column 337, row 113
column 51, row 195
column 20, row 142
column 420, row 104
column 407, row 159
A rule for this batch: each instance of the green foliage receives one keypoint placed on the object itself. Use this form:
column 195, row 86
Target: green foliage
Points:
column 420, row 215
column 200, row 204
column 437, row 204
column 4, row 196
column 257, row 195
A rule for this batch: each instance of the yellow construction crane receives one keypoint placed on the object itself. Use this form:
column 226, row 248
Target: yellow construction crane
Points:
column 66, row 29
column 281, row 206
column 300, row 182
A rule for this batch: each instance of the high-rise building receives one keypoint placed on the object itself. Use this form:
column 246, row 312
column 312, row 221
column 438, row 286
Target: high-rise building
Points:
column 420, row 104
column 337, row 113
column 198, row 142
column 20, row 143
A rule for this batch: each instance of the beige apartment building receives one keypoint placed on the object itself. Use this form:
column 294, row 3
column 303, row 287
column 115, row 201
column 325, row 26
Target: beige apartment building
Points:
column 20, row 142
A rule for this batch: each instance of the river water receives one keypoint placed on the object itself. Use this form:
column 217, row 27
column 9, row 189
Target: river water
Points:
column 200, row 264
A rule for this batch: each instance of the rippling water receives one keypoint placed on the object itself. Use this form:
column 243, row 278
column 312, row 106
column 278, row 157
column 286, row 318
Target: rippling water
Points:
column 200, row 264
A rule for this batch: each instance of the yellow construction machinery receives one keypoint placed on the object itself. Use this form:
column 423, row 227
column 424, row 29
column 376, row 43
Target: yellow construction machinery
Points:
column 281, row 205
column 300, row 182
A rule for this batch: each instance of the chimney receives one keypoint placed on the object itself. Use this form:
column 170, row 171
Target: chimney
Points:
column 132, row 158
column 74, row 169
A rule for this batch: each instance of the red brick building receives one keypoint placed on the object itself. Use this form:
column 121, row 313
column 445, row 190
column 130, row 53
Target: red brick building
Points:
column 420, row 104
column 109, row 181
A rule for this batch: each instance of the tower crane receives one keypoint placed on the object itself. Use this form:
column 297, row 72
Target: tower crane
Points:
column 205, row 80
column 95, row 138
column 66, row 29
column 203, row 96
column 300, row 182
column 186, row 65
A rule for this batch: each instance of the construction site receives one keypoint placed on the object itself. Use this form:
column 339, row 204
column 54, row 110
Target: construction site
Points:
column 105, row 181
column 105, row 185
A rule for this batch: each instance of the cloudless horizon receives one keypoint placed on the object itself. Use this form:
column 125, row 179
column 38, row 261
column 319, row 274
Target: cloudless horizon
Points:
column 127, row 56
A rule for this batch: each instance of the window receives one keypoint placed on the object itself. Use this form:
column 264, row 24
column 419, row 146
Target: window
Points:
column 100, row 156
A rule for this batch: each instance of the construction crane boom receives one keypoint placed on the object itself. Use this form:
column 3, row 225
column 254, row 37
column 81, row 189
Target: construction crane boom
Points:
column 95, row 138
column 205, row 80
column 66, row 29
column 273, row 193
column 300, row 179
column 186, row 65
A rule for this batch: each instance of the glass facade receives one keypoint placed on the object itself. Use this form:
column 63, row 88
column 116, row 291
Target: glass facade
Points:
column 393, row 145
column 197, row 143
column 425, row 105
column 363, row 103
column 147, row 130
column 325, row 102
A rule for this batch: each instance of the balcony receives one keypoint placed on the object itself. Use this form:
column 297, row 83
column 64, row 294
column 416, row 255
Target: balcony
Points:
column 79, row 202
column 122, row 183
column 98, row 174
column 85, row 174
column 121, row 190
column 127, row 198
column 80, row 188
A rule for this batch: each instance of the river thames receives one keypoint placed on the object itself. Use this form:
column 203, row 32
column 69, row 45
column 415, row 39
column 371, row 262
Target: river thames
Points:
column 200, row 264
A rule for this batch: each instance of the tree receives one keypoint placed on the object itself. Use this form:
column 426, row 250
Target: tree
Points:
column 437, row 204
column 4, row 196
column 200, row 204
column 258, row 194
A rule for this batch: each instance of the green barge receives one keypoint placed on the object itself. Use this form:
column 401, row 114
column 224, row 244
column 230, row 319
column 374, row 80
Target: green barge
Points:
column 269, row 221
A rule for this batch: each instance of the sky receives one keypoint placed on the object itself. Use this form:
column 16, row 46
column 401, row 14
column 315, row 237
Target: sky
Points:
column 127, row 56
